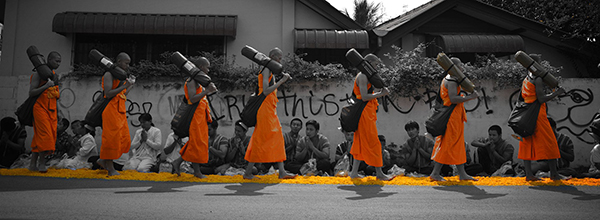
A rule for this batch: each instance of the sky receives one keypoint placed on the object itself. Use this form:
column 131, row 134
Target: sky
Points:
column 391, row 8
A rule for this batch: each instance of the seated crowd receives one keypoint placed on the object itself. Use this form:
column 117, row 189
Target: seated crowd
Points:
column 309, row 154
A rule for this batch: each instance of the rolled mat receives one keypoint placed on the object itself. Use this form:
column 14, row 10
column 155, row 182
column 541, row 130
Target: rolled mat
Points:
column 536, row 69
column 190, row 69
column 107, row 64
column 365, row 67
column 449, row 67
column 39, row 63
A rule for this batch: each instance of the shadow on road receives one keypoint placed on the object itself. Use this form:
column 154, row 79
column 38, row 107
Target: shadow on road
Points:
column 160, row 187
column 25, row 183
column 245, row 189
column 580, row 195
column 472, row 191
column 366, row 192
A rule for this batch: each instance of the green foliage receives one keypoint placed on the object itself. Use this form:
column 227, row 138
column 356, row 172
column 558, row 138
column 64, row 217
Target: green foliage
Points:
column 411, row 71
column 225, row 74
column 576, row 18
column 303, row 71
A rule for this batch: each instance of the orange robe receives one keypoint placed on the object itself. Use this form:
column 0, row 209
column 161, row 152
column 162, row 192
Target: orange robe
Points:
column 266, row 144
column 542, row 144
column 366, row 145
column 45, row 119
column 196, row 149
column 115, row 130
column 449, row 148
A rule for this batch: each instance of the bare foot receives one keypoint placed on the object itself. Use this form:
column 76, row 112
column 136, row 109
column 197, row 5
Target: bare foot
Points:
column 467, row 178
column 531, row 179
column 113, row 173
column 438, row 178
column 177, row 167
column 33, row 169
column 354, row 176
column 560, row 177
column 249, row 177
column 43, row 169
column 385, row 178
column 101, row 162
column 287, row 176
column 199, row 175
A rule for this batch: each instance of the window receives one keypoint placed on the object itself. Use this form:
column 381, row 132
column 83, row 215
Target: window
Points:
column 144, row 47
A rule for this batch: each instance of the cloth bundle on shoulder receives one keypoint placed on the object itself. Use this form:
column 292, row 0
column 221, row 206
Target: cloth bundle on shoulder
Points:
column 350, row 114
column 523, row 117
column 248, row 114
column 438, row 121
column 94, row 115
column 25, row 111
column 183, row 118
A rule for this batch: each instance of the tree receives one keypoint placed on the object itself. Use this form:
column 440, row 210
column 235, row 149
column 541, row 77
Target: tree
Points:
column 576, row 18
column 367, row 14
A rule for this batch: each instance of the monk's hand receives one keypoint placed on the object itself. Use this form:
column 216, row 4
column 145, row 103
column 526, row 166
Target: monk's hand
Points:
column 130, row 81
column 211, row 88
column 559, row 91
column 385, row 91
column 50, row 83
column 286, row 77
column 474, row 95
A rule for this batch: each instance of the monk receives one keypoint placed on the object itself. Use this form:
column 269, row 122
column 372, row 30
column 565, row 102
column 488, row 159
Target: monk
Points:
column 542, row 145
column 366, row 145
column 44, row 114
column 196, row 149
column 449, row 148
column 267, row 144
column 115, row 131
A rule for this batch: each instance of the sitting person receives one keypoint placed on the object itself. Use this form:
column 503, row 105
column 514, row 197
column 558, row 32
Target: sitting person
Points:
column 64, row 140
column 86, row 144
column 342, row 149
column 12, row 141
column 237, row 150
column 418, row 150
column 493, row 151
column 146, row 145
column 170, row 153
column 217, row 150
column 565, row 146
column 594, row 170
column 291, row 139
column 313, row 145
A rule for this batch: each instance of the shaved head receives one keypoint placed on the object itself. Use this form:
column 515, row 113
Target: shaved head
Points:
column 200, row 62
column 275, row 51
column 54, row 60
column 123, row 56
column 53, row 55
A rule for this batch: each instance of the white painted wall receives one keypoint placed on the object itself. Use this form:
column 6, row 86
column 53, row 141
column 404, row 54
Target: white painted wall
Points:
column 160, row 98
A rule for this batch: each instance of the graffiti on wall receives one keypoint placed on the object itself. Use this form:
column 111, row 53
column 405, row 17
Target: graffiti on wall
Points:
column 310, row 104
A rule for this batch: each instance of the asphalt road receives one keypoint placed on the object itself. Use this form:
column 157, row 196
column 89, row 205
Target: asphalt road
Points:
column 56, row 198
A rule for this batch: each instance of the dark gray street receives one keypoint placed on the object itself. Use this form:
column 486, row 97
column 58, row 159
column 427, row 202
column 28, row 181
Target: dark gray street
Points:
column 56, row 198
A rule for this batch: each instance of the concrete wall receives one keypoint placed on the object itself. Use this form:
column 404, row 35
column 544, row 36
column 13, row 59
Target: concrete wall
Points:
column 262, row 24
column 161, row 97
